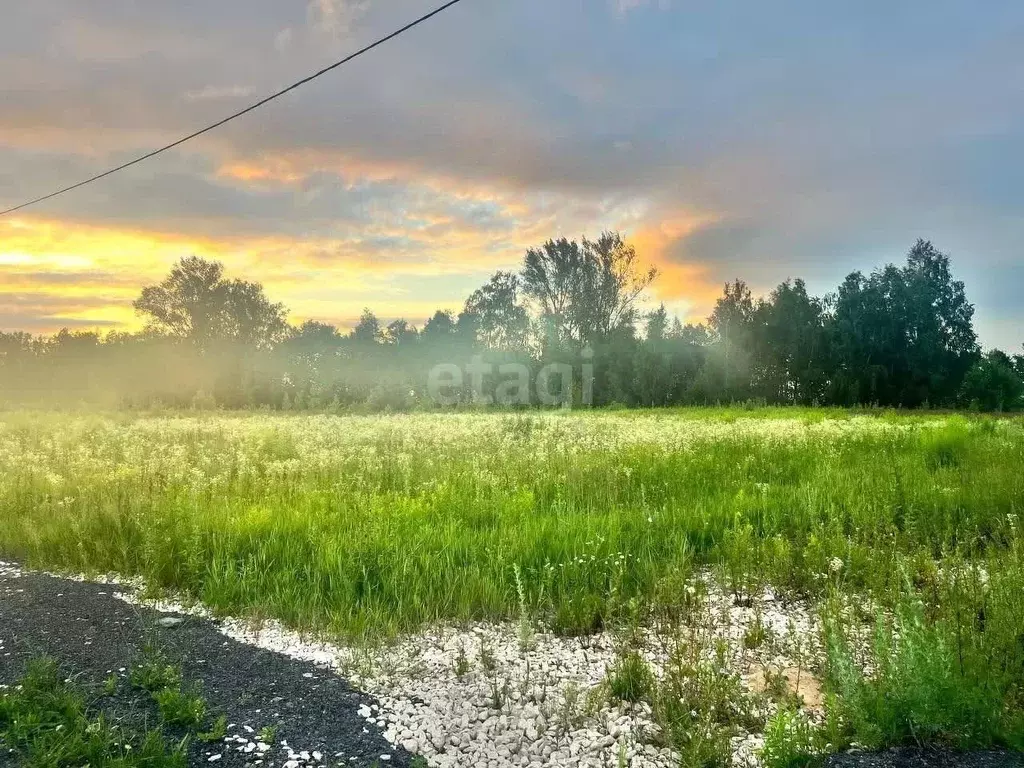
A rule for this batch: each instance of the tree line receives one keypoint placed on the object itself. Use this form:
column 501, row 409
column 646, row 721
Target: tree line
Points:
column 901, row 336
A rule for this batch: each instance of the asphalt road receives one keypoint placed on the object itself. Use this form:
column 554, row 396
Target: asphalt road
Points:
column 91, row 633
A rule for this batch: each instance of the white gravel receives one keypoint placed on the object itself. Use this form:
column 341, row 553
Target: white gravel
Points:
column 472, row 696
column 491, row 695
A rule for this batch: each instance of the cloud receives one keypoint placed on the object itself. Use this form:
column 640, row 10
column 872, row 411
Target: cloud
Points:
column 336, row 17
column 218, row 93
column 622, row 7
column 730, row 140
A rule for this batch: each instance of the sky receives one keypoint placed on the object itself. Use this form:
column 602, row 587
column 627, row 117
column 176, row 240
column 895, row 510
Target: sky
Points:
column 725, row 139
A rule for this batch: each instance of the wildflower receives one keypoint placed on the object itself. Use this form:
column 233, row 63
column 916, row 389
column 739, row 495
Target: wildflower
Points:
column 835, row 565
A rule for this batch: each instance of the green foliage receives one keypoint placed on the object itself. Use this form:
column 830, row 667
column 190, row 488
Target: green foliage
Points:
column 153, row 674
column 218, row 730
column 47, row 722
column 577, row 522
column 697, row 703
column 946, row 448
column 993, row 384
column 947, row 667
column 197, row 304
column 631, row 678
column 180, row 708
column 901, row 336
column 790, row 741
column 363, row 525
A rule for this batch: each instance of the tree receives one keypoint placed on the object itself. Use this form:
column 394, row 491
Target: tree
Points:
column 400, row 333
column 613, row 283
column 727, row 368
column 367, row 331
column 502, row 322
column 551, row 277
column 250, row 318
column 196, row 304
column 657, row 325
column 903, row 336
column 189, row 303
column 312, row 341
column 586, row 291
column 441, row 325
column 993, row 384
column 789, row 345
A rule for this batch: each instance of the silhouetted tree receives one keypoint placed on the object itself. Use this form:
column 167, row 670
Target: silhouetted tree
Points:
column 902, row 336
column 195, row 303
column 502, row 322
column 367, row 331
column 789, row 336
column 585, row 291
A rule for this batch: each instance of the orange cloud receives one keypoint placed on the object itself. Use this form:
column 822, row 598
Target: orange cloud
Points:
column 379, row 262
column 688, row 286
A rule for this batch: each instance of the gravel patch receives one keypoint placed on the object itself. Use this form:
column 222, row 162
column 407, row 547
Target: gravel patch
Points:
column 494, row 695
column 92, row 633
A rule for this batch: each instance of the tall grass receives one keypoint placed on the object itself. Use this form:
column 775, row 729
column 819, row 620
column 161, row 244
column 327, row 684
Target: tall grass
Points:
column 368, row 526
column 379, row 524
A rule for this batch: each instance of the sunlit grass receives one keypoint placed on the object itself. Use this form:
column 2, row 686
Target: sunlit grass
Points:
column 370, row 526
column 381, row 524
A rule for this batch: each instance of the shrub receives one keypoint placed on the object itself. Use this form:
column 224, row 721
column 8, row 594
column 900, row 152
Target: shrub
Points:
column 949, row 671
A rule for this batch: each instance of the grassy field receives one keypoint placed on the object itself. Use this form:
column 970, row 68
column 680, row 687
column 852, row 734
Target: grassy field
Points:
column 370, row 526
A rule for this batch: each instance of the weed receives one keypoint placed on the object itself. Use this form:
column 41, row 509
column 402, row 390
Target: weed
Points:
column 600, row 518
column 499, row 692
column 153, row 674
column 936, row 677
column 700, row 705
column 526, row 638
column 46, row 722
column 461, row 664
column 179, row 708
column 631, row 678
column 790, row 741
column 487, row 661
column 569, row 715
column 756, row 634
column 217, row 731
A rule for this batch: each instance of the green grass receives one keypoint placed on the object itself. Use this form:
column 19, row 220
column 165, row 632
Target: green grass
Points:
column 51, row 721
column 380, row 524
column 180, row 706
column 370, row 526
column 48, row 721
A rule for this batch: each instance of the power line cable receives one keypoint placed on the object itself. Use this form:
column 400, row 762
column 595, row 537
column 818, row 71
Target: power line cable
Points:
column 238, row 114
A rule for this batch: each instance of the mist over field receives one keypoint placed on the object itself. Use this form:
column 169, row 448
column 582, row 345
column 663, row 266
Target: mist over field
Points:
column 574, row 327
